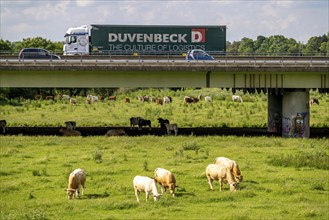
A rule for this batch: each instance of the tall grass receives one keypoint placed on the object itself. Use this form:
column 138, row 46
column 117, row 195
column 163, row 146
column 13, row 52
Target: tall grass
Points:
column 314, row 159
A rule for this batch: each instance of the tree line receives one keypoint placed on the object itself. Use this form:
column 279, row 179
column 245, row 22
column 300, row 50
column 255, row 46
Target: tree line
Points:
column 272, row 45
column 280, row 45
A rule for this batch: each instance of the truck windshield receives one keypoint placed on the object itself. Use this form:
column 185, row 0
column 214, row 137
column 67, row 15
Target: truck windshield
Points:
column 71, row 39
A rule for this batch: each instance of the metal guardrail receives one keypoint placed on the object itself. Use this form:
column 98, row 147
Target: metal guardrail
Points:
column 179, row 53
column 143, row 59
column 178, row 60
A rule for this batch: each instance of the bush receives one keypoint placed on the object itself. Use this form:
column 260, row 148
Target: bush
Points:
column 98, row 154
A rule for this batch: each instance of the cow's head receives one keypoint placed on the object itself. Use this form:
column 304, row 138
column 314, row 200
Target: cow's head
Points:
column 233, row 186
column 239, row 178
column 157, row 197
column 70, row 193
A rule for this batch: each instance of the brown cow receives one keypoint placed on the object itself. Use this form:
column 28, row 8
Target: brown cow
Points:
column 112, row 98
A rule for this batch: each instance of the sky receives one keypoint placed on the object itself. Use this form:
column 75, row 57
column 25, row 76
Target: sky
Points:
column 298, row 19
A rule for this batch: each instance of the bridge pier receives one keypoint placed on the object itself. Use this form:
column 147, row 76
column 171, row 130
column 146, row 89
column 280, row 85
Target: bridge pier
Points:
column 274, row 109
column 289, row 113
column 296, row 113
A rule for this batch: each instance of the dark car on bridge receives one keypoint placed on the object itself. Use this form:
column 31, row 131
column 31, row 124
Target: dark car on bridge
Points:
column 198, row 54
column 37, row 53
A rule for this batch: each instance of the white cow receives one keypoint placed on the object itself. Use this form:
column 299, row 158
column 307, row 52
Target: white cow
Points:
column 208, row 99
column 236, row 98
column 220, row 173
column 91, row 99
column 73, row 101
column 167, row 99
column 76, row 179
column 66, row 97
column 147, row 185
column 231, row 165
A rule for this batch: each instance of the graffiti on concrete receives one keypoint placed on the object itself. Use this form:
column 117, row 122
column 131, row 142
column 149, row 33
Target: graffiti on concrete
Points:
column 294, row 126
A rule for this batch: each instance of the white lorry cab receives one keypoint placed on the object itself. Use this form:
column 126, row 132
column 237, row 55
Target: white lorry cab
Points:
column 76, row 41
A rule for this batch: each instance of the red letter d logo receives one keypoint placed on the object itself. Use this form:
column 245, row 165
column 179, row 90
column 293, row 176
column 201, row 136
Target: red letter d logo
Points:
column 198, row 35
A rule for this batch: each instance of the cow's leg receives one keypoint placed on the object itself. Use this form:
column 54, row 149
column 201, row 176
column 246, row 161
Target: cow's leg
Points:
column 147, row 195
column 210, row 183
column 83, row 188
column 137, row 194
column 78, row 192
column 220, row 184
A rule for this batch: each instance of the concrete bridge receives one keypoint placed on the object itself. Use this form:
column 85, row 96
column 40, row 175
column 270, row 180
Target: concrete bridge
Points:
column 286, row 80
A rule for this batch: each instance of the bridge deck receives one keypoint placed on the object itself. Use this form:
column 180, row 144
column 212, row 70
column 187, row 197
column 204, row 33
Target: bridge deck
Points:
column 243, row 73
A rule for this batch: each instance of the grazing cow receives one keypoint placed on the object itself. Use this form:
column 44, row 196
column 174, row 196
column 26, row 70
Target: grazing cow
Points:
column 144, row 122
column 70, row 125
column 236, row 98
column 112, row 98
column 208, row 99
column 127, row 100
column 140, row 98
column 146, row 98
column 69, row 132
column 38, row 97
column 3, row 125
column 167, row 99
column 166, row 179
column 91, row 99
column 134, row 121
column 153, row 99
column 76, row 179
column 195, row 100
column 188, row 99
column 143, row 98
column 220, row 173
column 66, row 97
column 162, row 124
column 73, row 101
column 314, row 101
column 147, row 185
column 159, row 101
column 171, row 127
column 115, row 132
column 231, row 165
column 49, row 97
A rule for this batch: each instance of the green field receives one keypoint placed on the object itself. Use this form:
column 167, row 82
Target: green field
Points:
column 283, row 178
column 222, row 112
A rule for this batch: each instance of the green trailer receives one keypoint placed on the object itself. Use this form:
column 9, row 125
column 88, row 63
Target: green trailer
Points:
column 156, row 39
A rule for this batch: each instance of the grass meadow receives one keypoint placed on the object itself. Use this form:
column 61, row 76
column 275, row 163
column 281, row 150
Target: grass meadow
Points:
column 283, row 178
column 222, row 112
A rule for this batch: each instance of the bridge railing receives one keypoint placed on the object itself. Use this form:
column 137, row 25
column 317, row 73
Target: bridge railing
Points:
column 220, row 59
column 9, row 53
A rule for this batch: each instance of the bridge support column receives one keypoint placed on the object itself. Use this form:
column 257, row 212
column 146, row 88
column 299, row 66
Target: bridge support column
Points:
column 296, row 113
column 274, row 119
